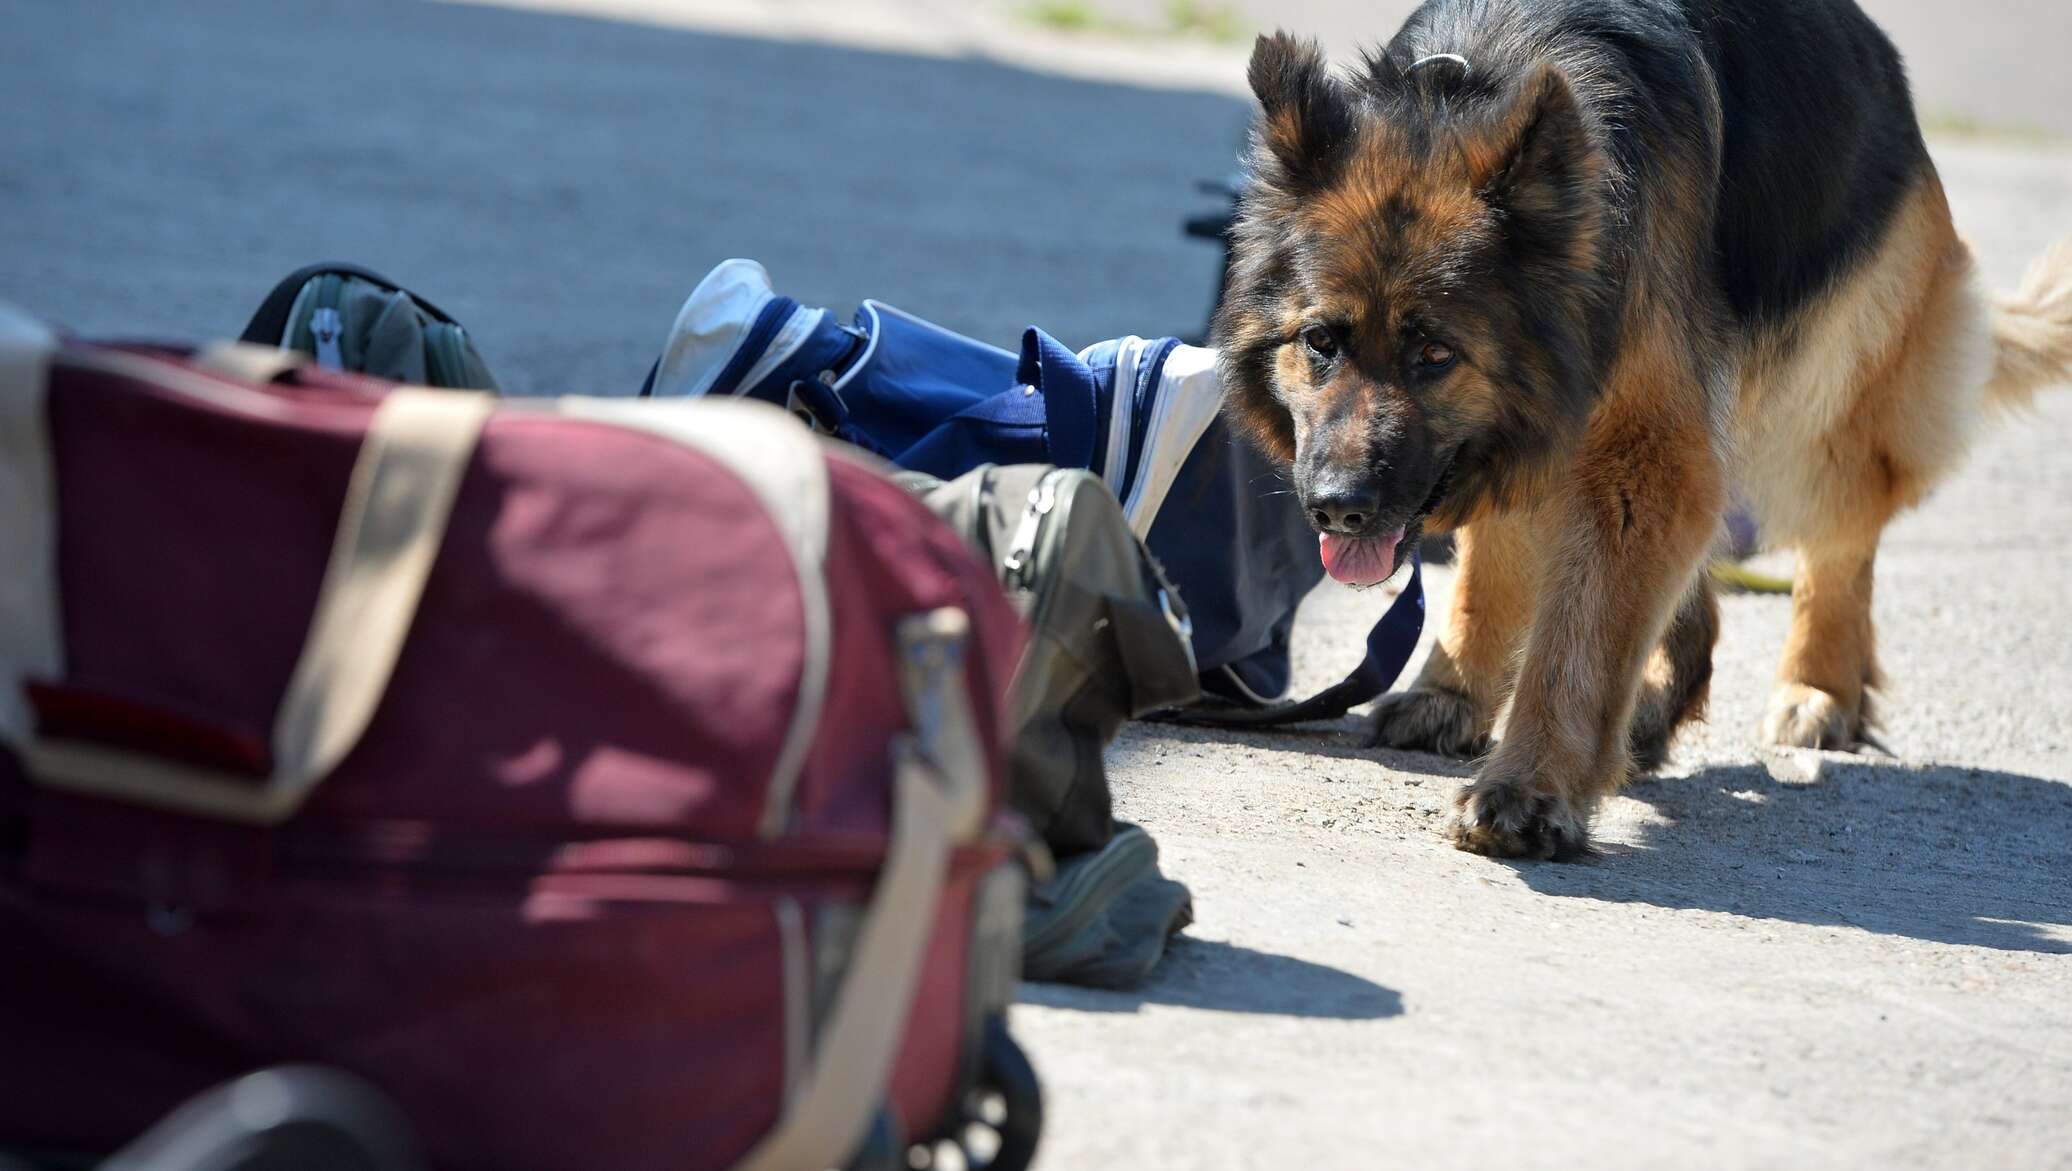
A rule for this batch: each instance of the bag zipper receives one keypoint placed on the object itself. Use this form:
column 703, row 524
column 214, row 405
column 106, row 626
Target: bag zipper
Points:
column 1030, row 550
column 1018, row 570
column 327, row 324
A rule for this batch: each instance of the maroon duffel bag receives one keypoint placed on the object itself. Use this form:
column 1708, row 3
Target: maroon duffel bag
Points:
column 613, row 784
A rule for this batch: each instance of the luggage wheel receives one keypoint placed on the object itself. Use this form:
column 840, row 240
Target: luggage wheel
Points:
column 995, row 1128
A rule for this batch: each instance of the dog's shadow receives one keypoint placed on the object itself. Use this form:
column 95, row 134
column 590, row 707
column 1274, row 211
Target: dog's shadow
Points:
column 1938, row 853
column 1345, row 738
column 1942, row 853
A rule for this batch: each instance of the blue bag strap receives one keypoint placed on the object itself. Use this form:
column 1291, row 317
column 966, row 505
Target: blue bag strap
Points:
column 1071, row 394
column 1389, row 647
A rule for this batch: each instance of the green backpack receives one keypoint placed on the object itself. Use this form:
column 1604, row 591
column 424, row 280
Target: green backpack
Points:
column 351, row 318
column 1108, row 642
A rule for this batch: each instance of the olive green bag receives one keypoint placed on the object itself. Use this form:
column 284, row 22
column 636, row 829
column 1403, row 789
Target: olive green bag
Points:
column 1108, row 634
column 1109, row 641
column 351, row 318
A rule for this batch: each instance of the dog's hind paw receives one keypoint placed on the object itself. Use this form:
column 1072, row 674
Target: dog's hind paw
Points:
column 1445, row 723
column 1807, row 717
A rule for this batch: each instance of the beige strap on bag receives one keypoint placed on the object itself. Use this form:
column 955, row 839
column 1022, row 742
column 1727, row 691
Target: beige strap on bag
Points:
column 396, row 509
column 245, row 361
column 936, row 784
column 786, row 468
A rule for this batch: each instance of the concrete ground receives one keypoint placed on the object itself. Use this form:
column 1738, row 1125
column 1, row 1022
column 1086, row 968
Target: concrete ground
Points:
column 1873, row 969
column 1870, row 970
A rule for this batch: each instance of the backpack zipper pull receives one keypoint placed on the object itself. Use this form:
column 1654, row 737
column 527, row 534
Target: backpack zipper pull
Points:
column 325, row 326
column 1043, row 498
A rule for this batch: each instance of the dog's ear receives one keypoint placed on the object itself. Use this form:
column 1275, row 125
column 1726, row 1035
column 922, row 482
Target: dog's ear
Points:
column 1539, row 166
column 1307, row 115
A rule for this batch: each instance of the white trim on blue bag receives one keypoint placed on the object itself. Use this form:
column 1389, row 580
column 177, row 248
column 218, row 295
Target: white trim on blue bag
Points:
column 1122, row 410
column 715, row 319
column 1189, row 396
column 876, row 329
column 796, row 331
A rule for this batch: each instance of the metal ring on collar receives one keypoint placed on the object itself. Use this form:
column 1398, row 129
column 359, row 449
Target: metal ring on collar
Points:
column 1456, row 58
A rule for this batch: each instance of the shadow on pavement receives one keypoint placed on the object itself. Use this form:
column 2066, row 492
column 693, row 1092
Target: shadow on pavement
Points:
column 1342, row 739
column 1223, row 977
column 1944, row 854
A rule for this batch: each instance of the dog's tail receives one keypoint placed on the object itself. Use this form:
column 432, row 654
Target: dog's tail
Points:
column 2032, row 332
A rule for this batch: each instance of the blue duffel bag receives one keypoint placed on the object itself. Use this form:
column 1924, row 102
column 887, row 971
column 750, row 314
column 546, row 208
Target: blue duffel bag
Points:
column 1144, row 414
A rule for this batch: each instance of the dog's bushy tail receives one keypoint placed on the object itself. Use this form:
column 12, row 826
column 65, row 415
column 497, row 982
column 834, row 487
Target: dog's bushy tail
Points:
column 2032, row 332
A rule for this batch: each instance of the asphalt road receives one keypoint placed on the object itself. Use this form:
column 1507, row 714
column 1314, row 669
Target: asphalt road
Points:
column 560, row 184
column 1871, row 970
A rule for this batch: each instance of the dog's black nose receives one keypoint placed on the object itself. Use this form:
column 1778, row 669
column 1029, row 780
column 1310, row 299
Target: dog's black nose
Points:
column 1348, row 511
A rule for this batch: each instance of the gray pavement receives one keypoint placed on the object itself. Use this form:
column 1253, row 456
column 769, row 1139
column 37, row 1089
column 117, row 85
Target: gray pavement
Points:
column 560, row 183
column 1870, row 970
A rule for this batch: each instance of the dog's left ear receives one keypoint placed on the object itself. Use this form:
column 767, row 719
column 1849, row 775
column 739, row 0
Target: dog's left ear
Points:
column 1306, row 114
column 1540, row 167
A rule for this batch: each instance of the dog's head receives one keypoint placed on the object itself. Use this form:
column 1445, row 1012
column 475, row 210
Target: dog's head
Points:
column 1414, row 284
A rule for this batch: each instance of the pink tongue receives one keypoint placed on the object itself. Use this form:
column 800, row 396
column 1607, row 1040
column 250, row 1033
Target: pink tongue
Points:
column 1364, row 561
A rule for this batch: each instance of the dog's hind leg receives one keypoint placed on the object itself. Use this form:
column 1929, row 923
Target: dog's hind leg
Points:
column 1454, row 703
column 1822, row 698
column 1679, row 677
column 1852, row 422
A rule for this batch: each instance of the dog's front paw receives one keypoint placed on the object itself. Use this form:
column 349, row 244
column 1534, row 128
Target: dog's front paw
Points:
column 1807, row 717
column 1515, row 818
column 1424, row 719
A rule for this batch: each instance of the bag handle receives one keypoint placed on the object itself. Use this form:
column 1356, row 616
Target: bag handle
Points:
column 270, row 321
column 397, row 505
column 1389, row 647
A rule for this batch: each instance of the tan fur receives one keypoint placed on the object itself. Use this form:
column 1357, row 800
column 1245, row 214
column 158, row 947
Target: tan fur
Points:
column 1452, row 708
column 1850, row 419
column 1842, row 420
column 1624, row 541
column 1580, row 623
column 1871, row 394
column 1677, row 683
column 2033, row 332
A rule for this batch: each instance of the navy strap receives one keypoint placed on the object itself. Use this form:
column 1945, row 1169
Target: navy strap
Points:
column 1070, row 394
column 1389, row 647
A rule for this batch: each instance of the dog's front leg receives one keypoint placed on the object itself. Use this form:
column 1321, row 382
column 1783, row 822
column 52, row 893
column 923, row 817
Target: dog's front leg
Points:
column 1622, row 537
column 1452, row 708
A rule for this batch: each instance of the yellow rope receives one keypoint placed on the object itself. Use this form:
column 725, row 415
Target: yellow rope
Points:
column 1741, row 579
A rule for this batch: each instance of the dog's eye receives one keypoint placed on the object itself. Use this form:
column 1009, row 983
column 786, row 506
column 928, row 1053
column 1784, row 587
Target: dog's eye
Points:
column 1320, row 341
column 1436, row 356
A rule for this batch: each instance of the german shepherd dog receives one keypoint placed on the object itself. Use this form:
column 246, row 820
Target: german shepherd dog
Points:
column 1562, row 274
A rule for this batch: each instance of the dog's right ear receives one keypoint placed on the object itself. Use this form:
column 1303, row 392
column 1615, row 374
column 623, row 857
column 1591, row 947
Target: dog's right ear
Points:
column 1307, row 117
